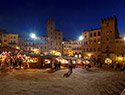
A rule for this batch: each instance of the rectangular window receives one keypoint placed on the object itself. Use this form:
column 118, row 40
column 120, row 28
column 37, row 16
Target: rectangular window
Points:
column 83, row 49
column 98, row 33
column 90, row 34
column 98, row 49
column 90, row 49
column 90, row 41
column 87, row 50
column 94, row 34
column 94, row 41
column 5, row 40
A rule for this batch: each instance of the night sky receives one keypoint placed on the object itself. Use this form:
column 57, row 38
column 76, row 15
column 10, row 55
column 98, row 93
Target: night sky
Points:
column 71, row 16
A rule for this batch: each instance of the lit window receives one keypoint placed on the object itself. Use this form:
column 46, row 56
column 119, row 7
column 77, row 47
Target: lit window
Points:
column 107, row 33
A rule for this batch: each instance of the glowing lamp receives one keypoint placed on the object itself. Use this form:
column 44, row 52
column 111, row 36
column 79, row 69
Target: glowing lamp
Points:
column 33, row 35
column 124, row 38
column 89, row 55
column 34, row 50
column 120, row 58
column 81, row 38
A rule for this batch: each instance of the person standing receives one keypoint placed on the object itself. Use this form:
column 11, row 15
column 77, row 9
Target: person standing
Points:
column 55, row 64
column 70, row 66
column 59, row 65
column 14, row 63
column 82, row 64
column 20, row 62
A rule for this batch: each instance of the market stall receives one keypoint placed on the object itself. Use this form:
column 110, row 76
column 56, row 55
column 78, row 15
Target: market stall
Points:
column 33, row 61
column 46, row 61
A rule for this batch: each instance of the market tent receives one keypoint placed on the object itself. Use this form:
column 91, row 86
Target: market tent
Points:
column 9, row 49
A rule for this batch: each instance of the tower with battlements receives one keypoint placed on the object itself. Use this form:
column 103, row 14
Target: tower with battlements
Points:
column 109, row 33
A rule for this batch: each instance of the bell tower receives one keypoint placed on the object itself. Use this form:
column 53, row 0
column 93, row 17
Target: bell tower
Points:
column 108, row 35
column 51, row 33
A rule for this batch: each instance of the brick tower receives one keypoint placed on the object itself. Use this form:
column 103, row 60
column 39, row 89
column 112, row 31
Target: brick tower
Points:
column 108, row 35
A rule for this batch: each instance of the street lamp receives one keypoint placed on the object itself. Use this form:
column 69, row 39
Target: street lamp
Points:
column 32, row 35
column 89, row 54
column 81, row 38
column 124, row 38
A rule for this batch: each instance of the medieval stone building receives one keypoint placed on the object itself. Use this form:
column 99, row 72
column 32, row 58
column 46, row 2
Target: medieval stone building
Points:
column 104, row 42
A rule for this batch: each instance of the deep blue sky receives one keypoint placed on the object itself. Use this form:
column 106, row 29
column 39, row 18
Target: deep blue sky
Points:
column 71, row 16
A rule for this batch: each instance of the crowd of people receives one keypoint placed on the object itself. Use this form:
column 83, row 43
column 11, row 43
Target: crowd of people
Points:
column 57, row 65
column 13, row 61
column 118, row 66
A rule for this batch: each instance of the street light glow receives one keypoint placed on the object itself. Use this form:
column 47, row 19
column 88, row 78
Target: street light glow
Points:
column 89, row 54
column 81, row 38
column 124, row 38
column 33, row 35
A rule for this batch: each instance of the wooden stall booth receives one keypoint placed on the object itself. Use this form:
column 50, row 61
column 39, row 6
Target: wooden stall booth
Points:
column 46, row 61
column 34, row 61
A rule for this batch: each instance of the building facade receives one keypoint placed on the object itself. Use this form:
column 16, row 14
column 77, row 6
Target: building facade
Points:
column 72, row 48
column 40, row 44
column 9, row 40
column 104, row 42
column 43, row 44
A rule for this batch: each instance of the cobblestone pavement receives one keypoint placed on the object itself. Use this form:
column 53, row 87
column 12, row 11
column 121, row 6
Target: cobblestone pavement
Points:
column 49, row 82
